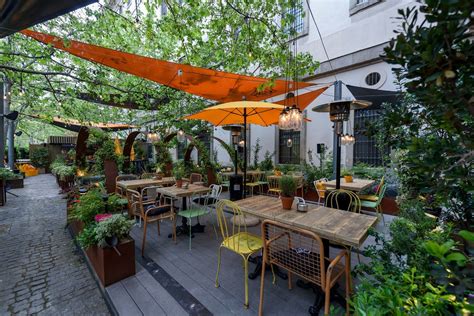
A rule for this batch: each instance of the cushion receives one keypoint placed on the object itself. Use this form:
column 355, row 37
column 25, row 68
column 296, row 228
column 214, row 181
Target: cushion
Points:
column 369, row 197
column 321, row 188
column 202, row 200
column 157, row 210
column 248, row 220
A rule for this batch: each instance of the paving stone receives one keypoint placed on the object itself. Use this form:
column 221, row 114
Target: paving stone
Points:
column 42, row 271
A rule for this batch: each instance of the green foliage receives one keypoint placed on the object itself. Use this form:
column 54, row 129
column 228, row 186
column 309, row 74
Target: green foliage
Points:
column 115, row 203
column 60, row 168
column 89, row 205
column 256, row 152
column 419, row 271
column 364, row 171
column 288, row 186
column 432, row 127
column 7, row 174
column 163, row 156
column 267, row 163
column 179, row 170
column 87, row 237
column 117, row 225
column 346, row 172
column 103, row 147
column 313, row 172
column 40, row 157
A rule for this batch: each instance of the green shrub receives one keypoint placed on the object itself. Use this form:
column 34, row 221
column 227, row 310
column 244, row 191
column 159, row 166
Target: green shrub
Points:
column 178, row 170
column 89, row 205
column 40, row 157
column 288, row 186
column 267, row 163
column 7, row 174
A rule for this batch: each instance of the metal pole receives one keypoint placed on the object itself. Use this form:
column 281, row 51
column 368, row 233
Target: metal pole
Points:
column 10, row 131
column 337, row 139
column 2, row 122
column 245, row 150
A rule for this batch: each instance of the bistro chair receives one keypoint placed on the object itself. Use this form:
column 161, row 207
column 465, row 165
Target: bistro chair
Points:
column 254, row 182
column 211, row 198
column 320, row 187
column 194, row 178
column 274, row 185
column 125, row 177
column 299, row 184
column 236, row 239
column 347, row 201
column 151, row 212
column 195, row 210
column 374, row 201
column 301, row 252
column 263, row 181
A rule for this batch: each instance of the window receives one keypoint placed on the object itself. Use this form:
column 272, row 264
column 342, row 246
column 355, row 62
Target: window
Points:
column 300, row 24
column 365, row 147
column 373, row 78
column 290, row 155
column 181, row 149
column 360, row 5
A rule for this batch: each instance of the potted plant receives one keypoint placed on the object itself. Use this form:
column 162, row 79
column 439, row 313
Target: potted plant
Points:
column 109, row 247
column 288, row 187
column 178, row 173
column 347, row 174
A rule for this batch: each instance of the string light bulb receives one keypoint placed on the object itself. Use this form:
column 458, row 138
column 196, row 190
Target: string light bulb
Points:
column 181, row 135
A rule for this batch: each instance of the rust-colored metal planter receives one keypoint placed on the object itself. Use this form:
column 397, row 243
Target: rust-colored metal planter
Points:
column 111, row 172
column 111, row 267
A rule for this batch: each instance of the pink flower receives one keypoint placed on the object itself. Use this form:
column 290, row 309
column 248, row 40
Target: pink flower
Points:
column 102, row 217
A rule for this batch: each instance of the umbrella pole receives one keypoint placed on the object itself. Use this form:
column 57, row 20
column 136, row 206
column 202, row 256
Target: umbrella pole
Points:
column 245, row 150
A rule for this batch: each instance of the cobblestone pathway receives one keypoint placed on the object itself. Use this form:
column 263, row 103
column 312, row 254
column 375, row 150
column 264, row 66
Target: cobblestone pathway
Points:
column 40, row 269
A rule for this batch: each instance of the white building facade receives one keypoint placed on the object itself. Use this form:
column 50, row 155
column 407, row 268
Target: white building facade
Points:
column 354, row 33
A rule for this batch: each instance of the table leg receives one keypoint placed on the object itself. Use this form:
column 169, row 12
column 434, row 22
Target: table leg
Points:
column 184, row 228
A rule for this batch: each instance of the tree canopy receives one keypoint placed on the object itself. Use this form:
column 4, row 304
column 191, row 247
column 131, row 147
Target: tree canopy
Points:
column 247, row 37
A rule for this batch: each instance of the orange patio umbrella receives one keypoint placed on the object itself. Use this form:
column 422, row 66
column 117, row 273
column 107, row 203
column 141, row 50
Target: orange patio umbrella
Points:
column 240, row 112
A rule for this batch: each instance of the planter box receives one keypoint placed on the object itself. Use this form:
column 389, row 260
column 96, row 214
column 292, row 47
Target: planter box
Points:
column 15, row 183
column 390, row 206
column 111, row 267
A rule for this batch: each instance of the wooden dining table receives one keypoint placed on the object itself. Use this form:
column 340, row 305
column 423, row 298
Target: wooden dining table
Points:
column 335, row 225
column 356, row 185
column 143, row 183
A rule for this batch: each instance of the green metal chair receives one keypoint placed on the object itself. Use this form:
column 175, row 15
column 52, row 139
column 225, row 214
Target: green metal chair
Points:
column 375, row 201
column 254, row 182
column 194, row 211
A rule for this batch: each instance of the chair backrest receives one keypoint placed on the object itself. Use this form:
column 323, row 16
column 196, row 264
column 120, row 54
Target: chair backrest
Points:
column 215, row 191
column 135, row 201
column 343, row 200
column 381, row 193
column 150, row 192
column 296, row 250
column 229, row 228
column 320, row 187
column 299, row 181
column 195, row 177
column 273, row 182
column 126, row 177
column 380, row 185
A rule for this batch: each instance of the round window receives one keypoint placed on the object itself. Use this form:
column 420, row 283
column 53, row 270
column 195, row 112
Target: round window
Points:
column 373, row 78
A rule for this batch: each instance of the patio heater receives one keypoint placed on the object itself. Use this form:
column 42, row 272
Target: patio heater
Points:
column 339, row 112
column 235, row 180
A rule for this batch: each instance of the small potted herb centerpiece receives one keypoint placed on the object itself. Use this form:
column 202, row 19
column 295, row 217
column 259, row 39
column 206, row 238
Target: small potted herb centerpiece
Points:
column 347, row 174
column 288, row 187
column 178, row 173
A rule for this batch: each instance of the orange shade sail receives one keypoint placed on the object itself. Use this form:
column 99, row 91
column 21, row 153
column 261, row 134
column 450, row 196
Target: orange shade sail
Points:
column 207, row 83
column 260, row 113
column 303, row 100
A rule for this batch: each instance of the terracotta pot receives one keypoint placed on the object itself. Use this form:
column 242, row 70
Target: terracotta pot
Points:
column 179, row 183
column 111, row 267
column 348, row 179
column 286, row 202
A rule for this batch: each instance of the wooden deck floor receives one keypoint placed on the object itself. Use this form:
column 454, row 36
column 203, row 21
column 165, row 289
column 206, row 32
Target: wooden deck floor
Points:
column 181, row 281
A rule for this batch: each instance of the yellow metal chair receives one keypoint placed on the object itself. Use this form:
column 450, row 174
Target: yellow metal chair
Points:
column 274, row 185
column 236, row 239
column 320, row 186
column 254, row 182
